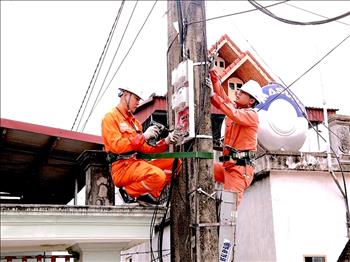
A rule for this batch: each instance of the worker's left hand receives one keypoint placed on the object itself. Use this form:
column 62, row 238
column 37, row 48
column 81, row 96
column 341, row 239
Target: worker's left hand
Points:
column 151, row 132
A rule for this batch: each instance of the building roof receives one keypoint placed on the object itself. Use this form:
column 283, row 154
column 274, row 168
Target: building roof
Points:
column 315, row 114
column 38, row 163
column 239, row 63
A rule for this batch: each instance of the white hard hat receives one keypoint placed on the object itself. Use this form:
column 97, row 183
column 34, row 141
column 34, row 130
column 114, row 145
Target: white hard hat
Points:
column 254, row 89
column 136, row 91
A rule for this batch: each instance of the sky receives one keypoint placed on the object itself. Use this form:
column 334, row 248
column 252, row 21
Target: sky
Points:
column 50, row 50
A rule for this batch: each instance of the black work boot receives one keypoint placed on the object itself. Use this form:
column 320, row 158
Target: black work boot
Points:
column 126, row 198
column 147, row 198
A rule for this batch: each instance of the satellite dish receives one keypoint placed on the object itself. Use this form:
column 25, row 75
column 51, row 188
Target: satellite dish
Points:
column 282, row 125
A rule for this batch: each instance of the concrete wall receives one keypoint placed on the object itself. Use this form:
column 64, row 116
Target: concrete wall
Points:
column 255, row 230
column 309, row 215
column 292, row 214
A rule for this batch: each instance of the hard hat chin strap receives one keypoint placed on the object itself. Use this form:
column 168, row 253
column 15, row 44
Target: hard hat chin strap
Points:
column 128, row 103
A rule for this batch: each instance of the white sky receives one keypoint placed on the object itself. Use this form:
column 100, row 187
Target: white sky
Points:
column 49, row 51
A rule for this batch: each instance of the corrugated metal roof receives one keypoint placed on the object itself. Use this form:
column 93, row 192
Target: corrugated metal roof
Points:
column 38, row 163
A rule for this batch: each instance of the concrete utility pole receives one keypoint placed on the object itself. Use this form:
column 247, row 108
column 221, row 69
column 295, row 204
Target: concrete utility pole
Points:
column 194, row 227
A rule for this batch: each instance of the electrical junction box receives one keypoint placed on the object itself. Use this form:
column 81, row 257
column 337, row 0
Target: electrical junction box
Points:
column 182, row 101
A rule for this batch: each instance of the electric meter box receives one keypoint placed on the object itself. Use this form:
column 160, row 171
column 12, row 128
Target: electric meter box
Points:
column 182, row 101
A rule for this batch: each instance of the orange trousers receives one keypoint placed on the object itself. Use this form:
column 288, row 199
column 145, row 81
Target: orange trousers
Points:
column 235, row 178
column 138, row 176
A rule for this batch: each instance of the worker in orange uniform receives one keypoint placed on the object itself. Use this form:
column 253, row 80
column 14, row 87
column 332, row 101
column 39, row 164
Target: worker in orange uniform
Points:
column 236, row 168
column 122, row 136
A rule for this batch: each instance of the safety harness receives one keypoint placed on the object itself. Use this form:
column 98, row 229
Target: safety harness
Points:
column 112, row 157
column 242, row 158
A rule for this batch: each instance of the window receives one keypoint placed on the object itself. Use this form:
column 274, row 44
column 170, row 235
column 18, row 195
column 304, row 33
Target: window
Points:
column 128, row 259
column 231, row 85
column 222, row 65
column 314, row 259
column 216, row 63
column 239, row 85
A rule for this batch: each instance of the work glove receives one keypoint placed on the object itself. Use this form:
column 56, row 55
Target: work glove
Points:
column 151, row 132
column 174, row 137
column 209, row 85
column 211, row 60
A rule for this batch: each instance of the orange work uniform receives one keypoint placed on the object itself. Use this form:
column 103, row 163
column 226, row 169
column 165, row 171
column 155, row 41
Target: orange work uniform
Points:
column 137, row 176
column 241, row 126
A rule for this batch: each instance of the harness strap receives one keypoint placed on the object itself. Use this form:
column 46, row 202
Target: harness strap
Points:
column 242, row 158
column 112, row 157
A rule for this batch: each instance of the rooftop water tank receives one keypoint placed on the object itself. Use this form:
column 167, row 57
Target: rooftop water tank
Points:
column 282, row 123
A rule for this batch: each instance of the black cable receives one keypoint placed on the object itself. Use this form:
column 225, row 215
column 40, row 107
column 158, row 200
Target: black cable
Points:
column 336, row 135
column 121, row 63
column 115, row 53
column 308, row 11
column 105, row 48
column 344, row 194
column 172, row 42
column 152, row 227
column 293, row 22
column 182, row 30
column 297, row 79
column 161, row 226
column 237, row 13
column 111, row 63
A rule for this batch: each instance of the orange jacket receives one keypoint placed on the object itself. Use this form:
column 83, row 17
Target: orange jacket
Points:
column 122, row 134
column 241, row 125
column 119, row 132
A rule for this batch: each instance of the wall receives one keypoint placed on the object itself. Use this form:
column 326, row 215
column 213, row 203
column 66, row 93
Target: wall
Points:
column 255, row 231
column 309, row 215
column 289, row 214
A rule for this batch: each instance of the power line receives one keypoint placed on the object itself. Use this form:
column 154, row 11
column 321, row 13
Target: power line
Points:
column 319, row 61
column 237, row 13
column 308, row 11
column 121, row 63
column 105, row 48
column 295, row 98
column 293, row 22
column 115, row 53
column 81, row 117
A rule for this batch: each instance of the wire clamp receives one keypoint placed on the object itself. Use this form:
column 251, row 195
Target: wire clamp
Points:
column 201, row 191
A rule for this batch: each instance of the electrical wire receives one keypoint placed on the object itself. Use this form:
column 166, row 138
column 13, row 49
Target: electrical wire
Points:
column 343, row 192
column 101, row 60
column 310, row 12
column 308, row 70
column 237, row 13
column 293, row 22
column 98, row 99
column 115, row 53
column 295, row 98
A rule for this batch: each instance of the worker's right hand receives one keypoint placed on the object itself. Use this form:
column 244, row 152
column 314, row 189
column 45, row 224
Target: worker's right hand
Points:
column 151, row 132
column 209, row 85
column 212, row 59
column 174, row 137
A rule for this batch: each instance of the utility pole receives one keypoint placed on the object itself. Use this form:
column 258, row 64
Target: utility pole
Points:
column 194, row 223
